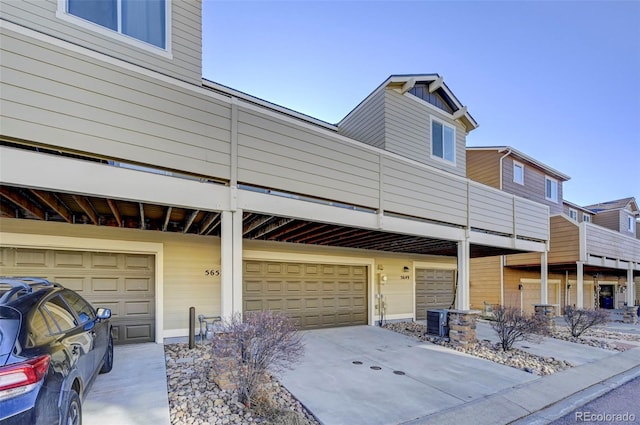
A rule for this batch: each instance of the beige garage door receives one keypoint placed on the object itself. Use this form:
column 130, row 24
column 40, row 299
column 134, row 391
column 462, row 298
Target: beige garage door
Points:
column 531, row 294
column 316, row 295
column 122, row 282
column 434, row 289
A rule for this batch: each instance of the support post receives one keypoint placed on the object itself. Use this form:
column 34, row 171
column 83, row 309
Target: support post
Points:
column 580, row 284
column 463, row 298
column 226, row 251
column 630, row 311
column 544, row 281
column 237, row 261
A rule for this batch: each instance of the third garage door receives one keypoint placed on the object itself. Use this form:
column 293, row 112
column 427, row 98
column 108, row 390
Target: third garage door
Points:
column 316, row 295
column 434, row 289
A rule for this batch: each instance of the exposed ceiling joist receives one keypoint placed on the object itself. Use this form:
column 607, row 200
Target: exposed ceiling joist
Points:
column 141, row 207
column 189, row 221
column 208, row 222
column 54, row 203
column 87, row 208
column 115, row 211
column 337, row 233
column 23, row 202
column 260, row 221
column 288, row 229
column 273, row 227
column 313, row 227
column 167, row 216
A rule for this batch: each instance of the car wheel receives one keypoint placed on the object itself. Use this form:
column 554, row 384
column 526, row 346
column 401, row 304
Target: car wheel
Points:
column 107, row 364
column 73, row 413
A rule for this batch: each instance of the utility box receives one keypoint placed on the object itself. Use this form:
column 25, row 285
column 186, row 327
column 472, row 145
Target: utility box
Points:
column 438, row 323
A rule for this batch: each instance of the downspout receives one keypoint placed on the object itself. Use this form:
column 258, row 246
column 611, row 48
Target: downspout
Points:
column 503, row 258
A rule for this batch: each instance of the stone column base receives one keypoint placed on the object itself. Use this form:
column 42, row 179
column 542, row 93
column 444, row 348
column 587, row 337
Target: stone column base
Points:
column 549, row 312
column 462, row 326
column 630, row 315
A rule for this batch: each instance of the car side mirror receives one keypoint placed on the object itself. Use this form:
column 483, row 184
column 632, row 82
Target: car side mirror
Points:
column 103, row 313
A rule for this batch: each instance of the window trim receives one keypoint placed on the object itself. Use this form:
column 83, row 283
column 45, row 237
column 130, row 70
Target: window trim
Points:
column 586, row 218
column 631, row 221
column 521, row 165
column 166, row 52
column 573, row 216
column 548, row 198
column 443, row 123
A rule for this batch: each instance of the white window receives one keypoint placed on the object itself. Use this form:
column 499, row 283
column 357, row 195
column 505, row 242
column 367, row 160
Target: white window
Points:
column 141, row 20
column 631, row 224
column 443, row 141
column 551, row 189
column 586, row 217
column 573, row 214
column 518, row 172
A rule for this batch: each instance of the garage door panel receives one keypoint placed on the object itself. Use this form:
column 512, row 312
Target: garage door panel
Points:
column 122, row 282
column 68, row 259
column 104, row 261
column 434, row 289
column 316, row 295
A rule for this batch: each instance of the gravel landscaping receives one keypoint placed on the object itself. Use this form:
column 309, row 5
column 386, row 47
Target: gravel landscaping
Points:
column 486, row 350
column 195, row 399
column 598, row 337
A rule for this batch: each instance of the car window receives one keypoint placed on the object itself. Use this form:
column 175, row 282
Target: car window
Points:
column 59, row 312
column 39, row 329
column 84, row 311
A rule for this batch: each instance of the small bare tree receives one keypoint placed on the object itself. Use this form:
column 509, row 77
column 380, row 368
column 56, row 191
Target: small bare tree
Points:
column 580, row 319
column 250, row 347
column 512, row 325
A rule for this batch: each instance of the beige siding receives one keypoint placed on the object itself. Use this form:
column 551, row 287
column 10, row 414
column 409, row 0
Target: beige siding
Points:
column 421, row 192
column 534, row 185
column 186, row 32
column 61, row 98
column 565, row 241
column 490, row 209
column 186, row 257
column 624, row 223
column 279, row 155
column 483, row 167
column 531, row 219
column 609, row 219
column 607, row 243
column 484, row 281
column 512, row 295
column 366, row 122
column 408, row 131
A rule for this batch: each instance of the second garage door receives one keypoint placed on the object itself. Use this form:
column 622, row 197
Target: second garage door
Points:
column 122, row 282
column 434, row 289
column 315, row 295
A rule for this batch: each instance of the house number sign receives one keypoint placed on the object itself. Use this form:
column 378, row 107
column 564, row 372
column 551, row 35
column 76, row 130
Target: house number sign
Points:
column 212, row 272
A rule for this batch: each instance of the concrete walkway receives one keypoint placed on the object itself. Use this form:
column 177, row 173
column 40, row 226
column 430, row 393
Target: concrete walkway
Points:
column 134, row 392
column 439, row 385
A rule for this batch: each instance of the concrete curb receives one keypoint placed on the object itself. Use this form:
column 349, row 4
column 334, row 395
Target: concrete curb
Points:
column 544, row 399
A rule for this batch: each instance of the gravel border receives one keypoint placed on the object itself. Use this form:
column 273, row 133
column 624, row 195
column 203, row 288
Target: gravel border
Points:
column 194, row 399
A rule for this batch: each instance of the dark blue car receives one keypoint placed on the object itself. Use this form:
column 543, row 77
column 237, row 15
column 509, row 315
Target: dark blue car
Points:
column 53, row 343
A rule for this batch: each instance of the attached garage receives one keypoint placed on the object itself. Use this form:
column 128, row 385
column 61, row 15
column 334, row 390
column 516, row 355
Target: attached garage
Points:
column 435, row 288
column 122, row 282
column 316, row 295
column 531, row 294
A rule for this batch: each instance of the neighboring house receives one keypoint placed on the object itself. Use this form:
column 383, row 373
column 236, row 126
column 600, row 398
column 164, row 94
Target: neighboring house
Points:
column 588, row 264
column 129, row 178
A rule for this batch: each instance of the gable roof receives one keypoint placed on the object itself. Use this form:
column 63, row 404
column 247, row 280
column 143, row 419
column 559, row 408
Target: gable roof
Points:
column 618, row 204
column 405, row 82
column 522, row 157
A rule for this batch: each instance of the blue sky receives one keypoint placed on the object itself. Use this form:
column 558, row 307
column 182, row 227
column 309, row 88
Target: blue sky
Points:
column 557, row 80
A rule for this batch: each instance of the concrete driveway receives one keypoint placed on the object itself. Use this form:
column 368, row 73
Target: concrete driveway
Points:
column 400, row 379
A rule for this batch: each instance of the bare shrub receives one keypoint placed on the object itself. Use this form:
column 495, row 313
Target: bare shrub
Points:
column 247, row 348
column 512, row 325
column 580, row 319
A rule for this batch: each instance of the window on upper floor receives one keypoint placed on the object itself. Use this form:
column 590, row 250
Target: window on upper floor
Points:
column 443, row 141
column 573, row 214
column 586, row 217
column 631, row 224
column 551, row 189
column 142, row 20
column 518, row 172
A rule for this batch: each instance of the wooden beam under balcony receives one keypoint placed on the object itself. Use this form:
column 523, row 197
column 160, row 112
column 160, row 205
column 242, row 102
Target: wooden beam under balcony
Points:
column 21, row 201
column 115, row 211
column 86, row 206
column 54, row 203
